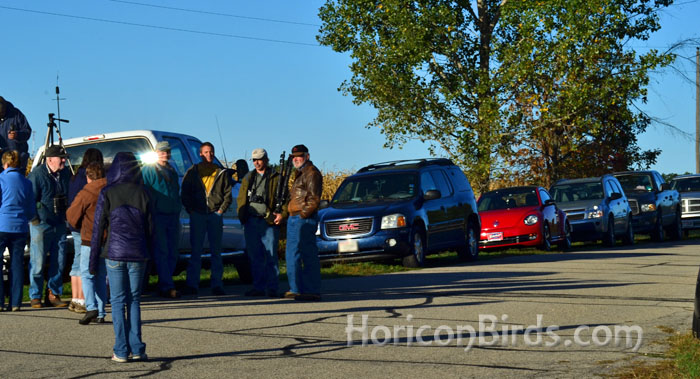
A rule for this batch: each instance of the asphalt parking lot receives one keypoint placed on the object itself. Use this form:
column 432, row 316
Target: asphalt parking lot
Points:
column 582, row 298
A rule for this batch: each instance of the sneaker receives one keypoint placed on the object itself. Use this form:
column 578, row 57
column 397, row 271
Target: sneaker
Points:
column 53, row 300
column 79, row 308
column 36, row 303
column 118, row 359
column 71, row 306
column 254, row 293
column 290, row 295
column 100, row 320
column 89, row 316
column 15, row 309
column 142, row 357
column 218, row 291
column 307, row 297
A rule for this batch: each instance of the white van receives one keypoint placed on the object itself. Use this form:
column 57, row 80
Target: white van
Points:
column 185, row 153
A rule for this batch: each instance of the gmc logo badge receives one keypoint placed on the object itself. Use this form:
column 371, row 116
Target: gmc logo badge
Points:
column 348, row 227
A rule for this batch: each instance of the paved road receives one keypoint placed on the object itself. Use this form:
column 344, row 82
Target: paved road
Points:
column 649, row 286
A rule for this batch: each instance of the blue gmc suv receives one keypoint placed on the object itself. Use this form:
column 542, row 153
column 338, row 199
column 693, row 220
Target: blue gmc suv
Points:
column 400, row 209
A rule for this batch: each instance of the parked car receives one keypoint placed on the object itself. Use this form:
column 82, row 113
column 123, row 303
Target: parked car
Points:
column 400, row 209
column 688, row 186
column 522, row 216
column 185, row 152
column 656, row 208
column 596, row 208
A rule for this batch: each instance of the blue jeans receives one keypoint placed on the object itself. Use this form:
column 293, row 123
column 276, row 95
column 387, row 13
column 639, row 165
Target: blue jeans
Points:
column 261, row 241
column 166, row 236
column 125, row 284
column 14, row 242
column 211, row 225
column 45, row 240
column 94, row 286
column 75, row 269
column 303, row 266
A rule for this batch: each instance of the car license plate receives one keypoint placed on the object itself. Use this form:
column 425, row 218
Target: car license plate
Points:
column 497, row 236
column 347, row 246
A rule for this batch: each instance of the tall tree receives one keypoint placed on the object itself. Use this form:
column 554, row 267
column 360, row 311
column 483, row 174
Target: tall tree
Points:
column 506, row 88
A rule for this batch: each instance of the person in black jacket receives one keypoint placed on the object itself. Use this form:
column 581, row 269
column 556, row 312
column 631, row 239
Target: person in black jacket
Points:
column 206, row 195
column 124, row 213
column 14, row 131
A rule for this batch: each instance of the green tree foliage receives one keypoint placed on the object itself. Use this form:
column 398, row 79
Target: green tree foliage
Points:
column 510, row 90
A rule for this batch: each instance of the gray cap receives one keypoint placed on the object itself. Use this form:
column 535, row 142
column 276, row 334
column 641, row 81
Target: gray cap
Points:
column 259, row 153
column 163, row 146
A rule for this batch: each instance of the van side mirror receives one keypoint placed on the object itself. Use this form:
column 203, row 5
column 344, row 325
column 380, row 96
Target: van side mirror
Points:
column 323, row 204
column 615, row 196
column 432, row 195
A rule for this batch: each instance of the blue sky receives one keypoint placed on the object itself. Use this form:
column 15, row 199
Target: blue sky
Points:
column 273, row 88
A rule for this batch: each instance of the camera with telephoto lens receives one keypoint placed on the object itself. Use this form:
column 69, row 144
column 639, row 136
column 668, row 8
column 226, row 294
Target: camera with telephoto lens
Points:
column 257, row 199
column 60, row 204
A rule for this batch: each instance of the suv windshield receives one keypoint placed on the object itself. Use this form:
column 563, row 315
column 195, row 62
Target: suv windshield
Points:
column 686, row 184
column 577, row 191
column 508, row 198
column 632, row 183
column 109, row 149
column 387, row 187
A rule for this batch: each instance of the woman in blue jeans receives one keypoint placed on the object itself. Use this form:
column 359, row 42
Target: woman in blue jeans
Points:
column 124, row 213
column 16, row 209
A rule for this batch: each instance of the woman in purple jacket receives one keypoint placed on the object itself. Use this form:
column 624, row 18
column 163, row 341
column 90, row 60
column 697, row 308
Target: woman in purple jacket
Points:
column 16, row 208
column 124, row 212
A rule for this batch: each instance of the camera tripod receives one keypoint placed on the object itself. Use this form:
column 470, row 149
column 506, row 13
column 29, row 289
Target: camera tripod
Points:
column 50, row 141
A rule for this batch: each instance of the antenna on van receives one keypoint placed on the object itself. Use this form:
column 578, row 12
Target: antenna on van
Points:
column 223, row 149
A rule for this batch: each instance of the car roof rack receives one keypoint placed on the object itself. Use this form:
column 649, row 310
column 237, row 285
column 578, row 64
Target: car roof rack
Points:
column 407, row 163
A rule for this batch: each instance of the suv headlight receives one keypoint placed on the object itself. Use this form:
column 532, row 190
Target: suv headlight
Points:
column 530, row 220
column 393, row 221
column 648, row 207
column 595, row 213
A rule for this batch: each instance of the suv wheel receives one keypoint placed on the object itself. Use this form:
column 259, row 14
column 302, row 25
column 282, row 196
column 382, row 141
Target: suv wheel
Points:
column 417, row 256
column 565, row 243
column 676, row 230
column 609, row 237
column 546, row 238
column 628, row 238
column 658, row 233
column 469, row 252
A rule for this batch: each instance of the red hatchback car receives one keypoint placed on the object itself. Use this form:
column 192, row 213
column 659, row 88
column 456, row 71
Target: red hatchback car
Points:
column 522, row 216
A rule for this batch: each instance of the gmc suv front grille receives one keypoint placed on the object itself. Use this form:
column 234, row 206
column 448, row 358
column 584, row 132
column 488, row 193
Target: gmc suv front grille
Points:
column 634, row 206
column 350, row 227
column 691, row 206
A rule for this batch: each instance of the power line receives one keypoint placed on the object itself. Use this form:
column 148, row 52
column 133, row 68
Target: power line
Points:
column 215, row 13
column 160, row 27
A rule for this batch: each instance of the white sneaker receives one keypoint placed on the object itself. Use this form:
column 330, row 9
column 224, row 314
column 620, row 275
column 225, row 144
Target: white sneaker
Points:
column 142, row 357
column 118, row 360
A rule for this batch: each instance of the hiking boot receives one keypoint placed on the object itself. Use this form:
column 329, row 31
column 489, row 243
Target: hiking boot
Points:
column 36, row 303
column 89, row 316
column 53, row 300
column 142, row 357
column 100, row 320
column 290, row 295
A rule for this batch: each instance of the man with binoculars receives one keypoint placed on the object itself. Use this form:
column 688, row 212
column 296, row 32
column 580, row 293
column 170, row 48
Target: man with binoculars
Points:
column 50, row 183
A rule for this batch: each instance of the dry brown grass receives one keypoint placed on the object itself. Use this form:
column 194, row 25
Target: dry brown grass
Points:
column 331, row 182
column 681, row 360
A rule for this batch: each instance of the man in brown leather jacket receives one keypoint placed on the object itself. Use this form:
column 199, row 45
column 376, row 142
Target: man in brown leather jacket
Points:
column 303, row 266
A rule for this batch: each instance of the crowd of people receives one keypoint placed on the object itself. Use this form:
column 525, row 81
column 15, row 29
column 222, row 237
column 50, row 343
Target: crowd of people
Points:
column 126, row 215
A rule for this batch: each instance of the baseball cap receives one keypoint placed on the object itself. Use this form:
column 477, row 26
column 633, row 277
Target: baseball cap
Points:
column 163, row 146
column 299, row 150
column 55, row 151
column 258, row 153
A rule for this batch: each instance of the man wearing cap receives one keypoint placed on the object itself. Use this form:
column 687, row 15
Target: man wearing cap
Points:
column 50, row 183
column 303, row 266
column 256, row 203
column 206, row 195
column 14, row 131
column 161, row 181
